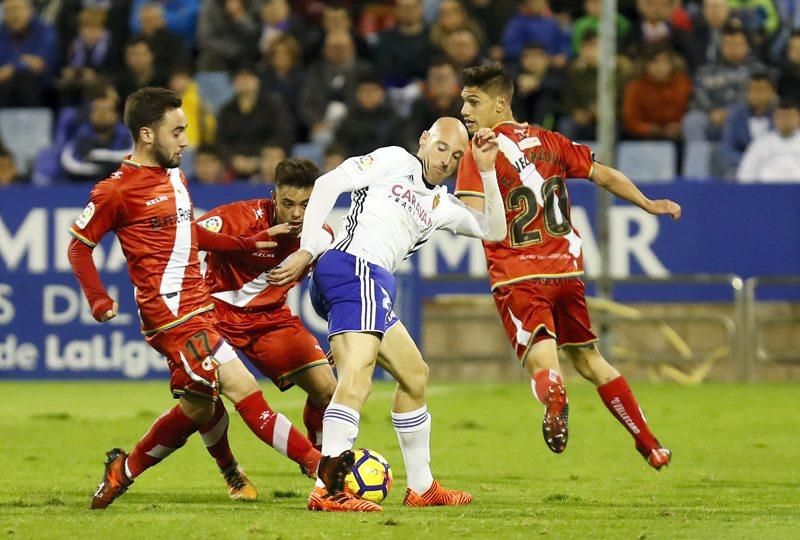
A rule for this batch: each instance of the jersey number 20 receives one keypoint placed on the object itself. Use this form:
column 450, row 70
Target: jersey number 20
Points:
column 556, row 212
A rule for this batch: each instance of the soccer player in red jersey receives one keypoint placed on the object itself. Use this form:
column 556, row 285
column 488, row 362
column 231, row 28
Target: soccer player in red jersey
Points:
column 146, row 203
column 535, row 272
column 252, row 313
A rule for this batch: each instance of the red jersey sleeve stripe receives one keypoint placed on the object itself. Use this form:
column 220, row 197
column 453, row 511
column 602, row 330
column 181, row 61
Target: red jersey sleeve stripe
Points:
column 81, row 238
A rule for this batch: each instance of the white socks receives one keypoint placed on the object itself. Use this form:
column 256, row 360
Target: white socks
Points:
column 340, row 429
column 414, row 433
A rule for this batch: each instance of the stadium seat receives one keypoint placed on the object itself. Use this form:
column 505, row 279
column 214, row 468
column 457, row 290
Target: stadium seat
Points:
column 25, row 132
column 647, row 161
column 215, row 88
column 701, row 161
column 308, row 151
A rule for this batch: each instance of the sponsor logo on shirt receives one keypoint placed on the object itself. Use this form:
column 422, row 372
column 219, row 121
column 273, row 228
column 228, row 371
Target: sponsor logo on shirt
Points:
column 86, row 216
column 157, row 200
column 365, row 162
column 171, row 220
column 213, row 224
column 408, row 200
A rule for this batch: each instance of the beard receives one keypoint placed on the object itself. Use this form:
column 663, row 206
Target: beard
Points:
column 163, row 158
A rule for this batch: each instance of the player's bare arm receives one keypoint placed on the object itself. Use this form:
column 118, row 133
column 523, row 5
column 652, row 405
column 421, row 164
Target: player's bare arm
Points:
column 620, row 185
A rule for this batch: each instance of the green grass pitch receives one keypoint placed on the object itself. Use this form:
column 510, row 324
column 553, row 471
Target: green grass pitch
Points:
column 735, row 471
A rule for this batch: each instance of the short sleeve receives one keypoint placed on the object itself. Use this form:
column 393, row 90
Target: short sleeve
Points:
column 104, row 212
column 378, row 165
column 578, row 158
column 468, row 180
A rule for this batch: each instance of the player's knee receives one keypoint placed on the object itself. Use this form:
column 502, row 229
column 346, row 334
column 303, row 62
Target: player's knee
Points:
column 415, row 379
column 199, row 411
column 357, row 393
column 321, row 397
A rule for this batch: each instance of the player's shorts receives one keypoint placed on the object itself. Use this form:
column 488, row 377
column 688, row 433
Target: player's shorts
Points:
column 542, row 308
column 276, row 342
column 352, row 294
column 194, row 350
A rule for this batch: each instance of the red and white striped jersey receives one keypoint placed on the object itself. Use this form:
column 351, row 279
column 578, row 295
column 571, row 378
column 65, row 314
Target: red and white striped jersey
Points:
column 239, row 279
column 150, row 211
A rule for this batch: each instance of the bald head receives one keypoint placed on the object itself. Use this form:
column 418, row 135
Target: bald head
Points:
column 441, row 148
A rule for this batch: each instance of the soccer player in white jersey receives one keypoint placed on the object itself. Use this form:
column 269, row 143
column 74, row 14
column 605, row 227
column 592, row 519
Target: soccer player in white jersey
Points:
column 397, row 204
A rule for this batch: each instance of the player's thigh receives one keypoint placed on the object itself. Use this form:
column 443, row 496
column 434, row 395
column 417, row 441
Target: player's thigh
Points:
column 571, row 315
column 355, row 352
column 236, row 381
column 199, row 410
column 318, row 382
column 527, row 316
column 400, row 356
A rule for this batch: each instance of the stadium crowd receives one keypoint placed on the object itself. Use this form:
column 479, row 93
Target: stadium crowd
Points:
column 265, row 79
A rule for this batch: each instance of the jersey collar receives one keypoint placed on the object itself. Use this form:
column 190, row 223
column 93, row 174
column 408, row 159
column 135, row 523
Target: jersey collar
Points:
column 427, row 185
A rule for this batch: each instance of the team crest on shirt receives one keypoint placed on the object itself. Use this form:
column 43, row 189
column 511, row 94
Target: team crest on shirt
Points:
column 436, row 201
column 365, row 162
column 86, row 216
column 213, row 224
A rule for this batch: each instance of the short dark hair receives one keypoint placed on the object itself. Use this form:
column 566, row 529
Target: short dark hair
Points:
column 147, row 107
column 761, row 75
column 297, row 173
column 734, row 27
column 787, row 102
column 490, row 78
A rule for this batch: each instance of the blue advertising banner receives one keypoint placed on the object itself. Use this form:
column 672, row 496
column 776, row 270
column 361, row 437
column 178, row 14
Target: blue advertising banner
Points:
column 47, row 331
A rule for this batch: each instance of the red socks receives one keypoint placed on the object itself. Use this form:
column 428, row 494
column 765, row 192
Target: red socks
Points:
column 542, row 381
column 312, row 418
column 215, row 437
column 167, row 434
column 276, row 430
column 618, row 397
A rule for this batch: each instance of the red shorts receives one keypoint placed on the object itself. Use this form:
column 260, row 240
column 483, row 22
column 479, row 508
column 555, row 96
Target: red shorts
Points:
column 276, row 342
column 194, row 350
column 543, row 308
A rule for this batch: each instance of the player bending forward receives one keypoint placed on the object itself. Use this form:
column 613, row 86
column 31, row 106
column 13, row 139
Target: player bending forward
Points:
column 535, row 271
column 146, row 203
column 396, row 206
column 253, row 315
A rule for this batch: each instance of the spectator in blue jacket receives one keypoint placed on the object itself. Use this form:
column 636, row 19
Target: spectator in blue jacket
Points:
column 27, row 56
column 747, row 121
column 99, row 144
column 181, row 17
column 534, row 22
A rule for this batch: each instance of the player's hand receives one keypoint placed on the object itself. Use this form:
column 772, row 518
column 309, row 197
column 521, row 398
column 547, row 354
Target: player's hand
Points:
column 485, row 149
column 291, row 269
column 102, row 313
column 665, row 207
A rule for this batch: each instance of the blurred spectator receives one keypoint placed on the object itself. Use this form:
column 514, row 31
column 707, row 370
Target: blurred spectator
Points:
column 140, row 69
column 208, row 166
column 330, row 87
column 775, row 156
column 655, row 102
column 579, row 99
column 268, row 159
column 100, row 144
column 537, row 87
column 251, row 120
column 747, row 121
column 227, row 33
column 88, row 55
column 335, row 154
column 702, row 44
column 591, row 21
column 27, row 56
column 403, row 52
column 282, row 71
column 534, row 22
column 454, row 16
column 276, row 21
column 8, row 170
column 371, row 123
column 201, row 125
column 654, row 27
column 441, row 96
column 462, row 49
column 789, row 84
column 180, row 17
column 760, row 18
column 719, row 85
column 493, row 15
column 168, row 47
column 335, row 18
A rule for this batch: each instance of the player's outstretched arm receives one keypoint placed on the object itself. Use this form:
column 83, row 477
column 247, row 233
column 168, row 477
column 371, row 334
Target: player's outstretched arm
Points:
column 104, row 308
column 220, row 242
column 620, row 185
column 327, row 189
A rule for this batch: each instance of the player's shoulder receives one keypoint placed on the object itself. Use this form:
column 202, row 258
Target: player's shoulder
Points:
column 235, row 214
